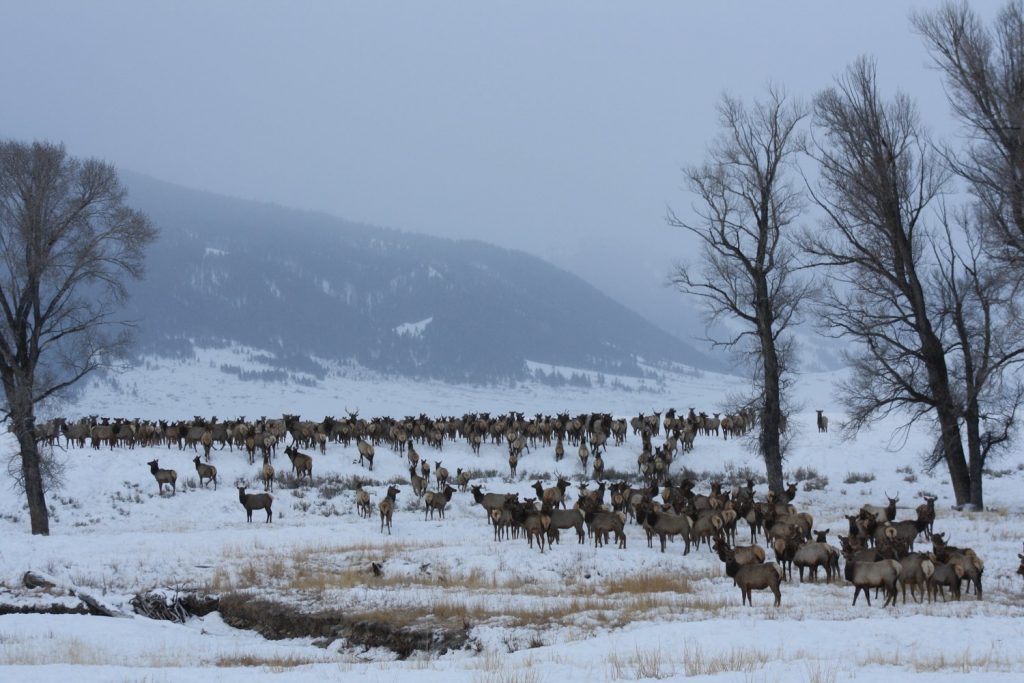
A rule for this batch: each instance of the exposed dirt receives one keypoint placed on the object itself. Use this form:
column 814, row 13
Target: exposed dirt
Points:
column 276, row 621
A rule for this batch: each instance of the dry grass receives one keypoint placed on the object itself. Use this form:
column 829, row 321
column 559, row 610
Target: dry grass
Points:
column 821, row 672
column 73, row 651
column 964, row 662
column 449, row 591
column 274, row 663
column 657, row 663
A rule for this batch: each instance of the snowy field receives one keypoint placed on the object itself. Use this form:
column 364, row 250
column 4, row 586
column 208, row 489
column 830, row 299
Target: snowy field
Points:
column 573, row 613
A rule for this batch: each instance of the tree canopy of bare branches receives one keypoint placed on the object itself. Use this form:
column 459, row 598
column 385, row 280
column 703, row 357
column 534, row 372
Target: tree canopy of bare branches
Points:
column 878, row 174
column 67, row 242
column 984, row 75
column 745, row 205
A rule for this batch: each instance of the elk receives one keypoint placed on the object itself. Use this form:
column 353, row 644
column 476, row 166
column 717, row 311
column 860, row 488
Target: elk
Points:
column 554, row 496
column 463, row 479
column 267, row 473
column 814, row 555
column 365, row 452
column 563, row 519
column 665, row 525
column 534, row 523
column 822, row 422
column 750, row 554
column 207, row 472
column 491, row 501
column 437, row 501
column 598, row 465
column 881, row 514
column 302, row 464
column 866, row 575
column 513, row 462
column 169, row 477
column 601, row 524
column 926, row 513
column 1020, row 569
column 441, row 474
column 584, row 455
column 945, row 575
column 255, row 501
column 362, row 503
column 387, row 508
column 418, row 483
column 917, row 570
column 786, row 548
column 750, row 577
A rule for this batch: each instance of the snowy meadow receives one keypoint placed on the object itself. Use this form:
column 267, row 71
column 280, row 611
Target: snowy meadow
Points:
column 484, row 610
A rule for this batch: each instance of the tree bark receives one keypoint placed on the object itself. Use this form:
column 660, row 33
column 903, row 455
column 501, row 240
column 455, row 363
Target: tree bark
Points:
column 24, row 422
column 976, row 463
column 771, row 417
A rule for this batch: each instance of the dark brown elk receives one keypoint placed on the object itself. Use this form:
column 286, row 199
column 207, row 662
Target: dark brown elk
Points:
column 255, row 501
column 601, row 524
column 822, row 422
column 302, row 464
column 926, row 513
column 750, row 577
column 564, row 519
column 169, row 477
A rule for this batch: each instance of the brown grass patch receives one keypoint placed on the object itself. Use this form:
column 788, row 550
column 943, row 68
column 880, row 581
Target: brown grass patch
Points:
column 274, row 663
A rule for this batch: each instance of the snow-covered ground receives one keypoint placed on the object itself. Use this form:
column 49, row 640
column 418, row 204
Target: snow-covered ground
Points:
column 573, row 613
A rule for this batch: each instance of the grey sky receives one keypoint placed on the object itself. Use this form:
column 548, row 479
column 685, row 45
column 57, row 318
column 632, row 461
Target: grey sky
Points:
column 555, row 127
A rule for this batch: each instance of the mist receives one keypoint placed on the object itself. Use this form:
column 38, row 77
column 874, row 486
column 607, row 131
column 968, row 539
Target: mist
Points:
column 554, row 128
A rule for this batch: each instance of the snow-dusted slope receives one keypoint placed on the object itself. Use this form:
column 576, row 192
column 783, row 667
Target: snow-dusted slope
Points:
column 573, row 613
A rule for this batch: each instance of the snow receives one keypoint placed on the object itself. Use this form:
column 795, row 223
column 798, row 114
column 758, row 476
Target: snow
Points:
column 572, row 613
column 415, row 329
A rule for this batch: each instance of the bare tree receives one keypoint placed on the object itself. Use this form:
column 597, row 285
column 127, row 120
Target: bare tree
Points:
column 878, row 175
column 982, row 323
column 67, row 240
column 984, row 74
column 745, row 205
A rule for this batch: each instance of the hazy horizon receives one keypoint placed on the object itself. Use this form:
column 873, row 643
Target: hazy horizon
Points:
column 557, row 129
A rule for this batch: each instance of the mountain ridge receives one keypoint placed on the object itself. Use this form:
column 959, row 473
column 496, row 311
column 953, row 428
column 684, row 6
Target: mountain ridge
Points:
column 304, row 283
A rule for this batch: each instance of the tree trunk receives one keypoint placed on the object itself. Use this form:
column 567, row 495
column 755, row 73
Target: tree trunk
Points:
column 976, row 458
column 771, row 412
column 953, row 450
column 31, row 471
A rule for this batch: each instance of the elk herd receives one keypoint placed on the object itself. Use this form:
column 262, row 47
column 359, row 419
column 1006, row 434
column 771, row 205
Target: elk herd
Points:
column 877, row 551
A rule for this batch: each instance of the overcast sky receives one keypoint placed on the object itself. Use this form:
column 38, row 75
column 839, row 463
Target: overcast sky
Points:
column 555, row 127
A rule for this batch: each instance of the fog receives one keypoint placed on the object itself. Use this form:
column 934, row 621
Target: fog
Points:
column 555, row 128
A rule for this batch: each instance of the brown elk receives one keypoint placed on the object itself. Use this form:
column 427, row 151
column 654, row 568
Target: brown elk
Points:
column 387, row 508
column 169, row 477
